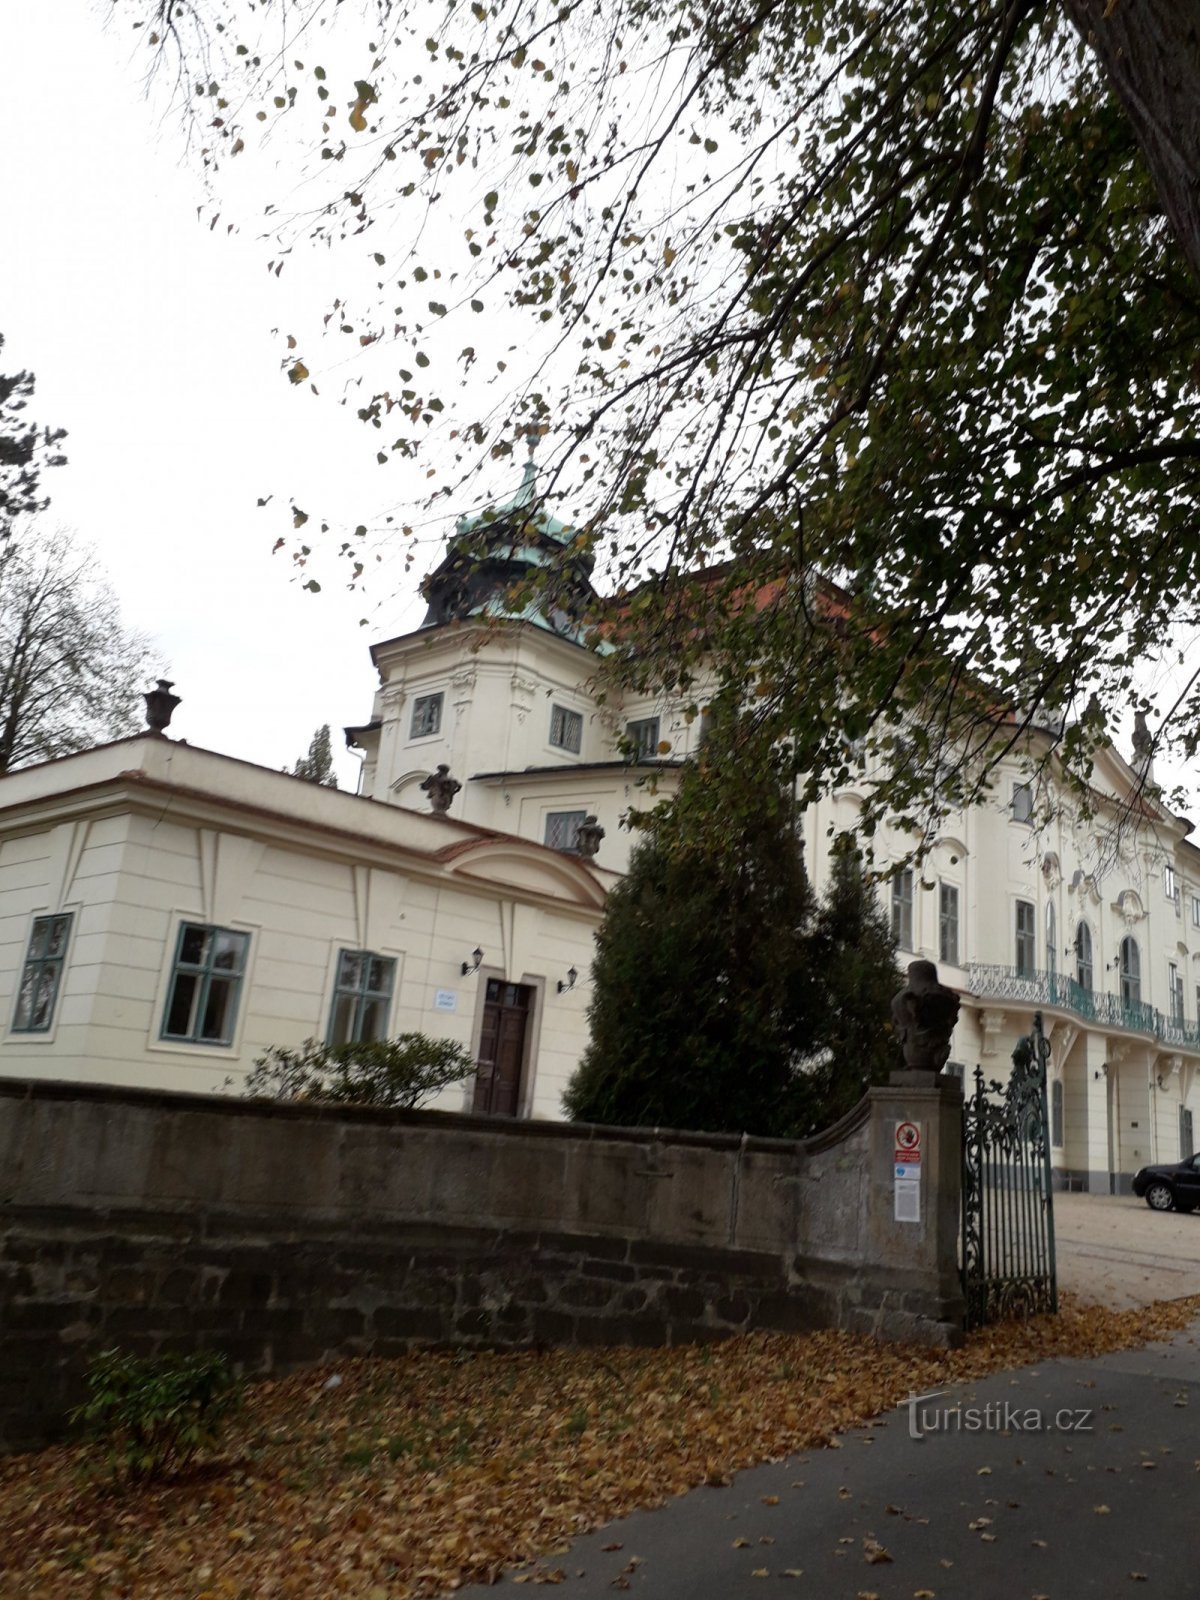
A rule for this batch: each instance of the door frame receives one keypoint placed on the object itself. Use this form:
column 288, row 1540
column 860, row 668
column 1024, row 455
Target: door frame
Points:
column 533, row 1030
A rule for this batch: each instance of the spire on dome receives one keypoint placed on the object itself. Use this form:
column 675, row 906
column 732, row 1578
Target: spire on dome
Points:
column 527, row 493
column 495, row 551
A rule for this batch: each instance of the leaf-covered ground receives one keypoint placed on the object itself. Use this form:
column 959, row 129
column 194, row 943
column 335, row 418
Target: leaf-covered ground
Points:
column 412, row 1477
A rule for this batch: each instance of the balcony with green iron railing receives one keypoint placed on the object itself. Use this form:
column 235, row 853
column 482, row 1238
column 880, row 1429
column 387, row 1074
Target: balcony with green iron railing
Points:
column 1057, row 992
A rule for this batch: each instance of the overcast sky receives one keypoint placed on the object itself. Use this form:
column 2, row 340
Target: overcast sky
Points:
column 151, row 341
column 158, row 344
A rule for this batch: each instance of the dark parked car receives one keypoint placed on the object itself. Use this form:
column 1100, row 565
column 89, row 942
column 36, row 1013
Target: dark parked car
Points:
column 1171, row 1185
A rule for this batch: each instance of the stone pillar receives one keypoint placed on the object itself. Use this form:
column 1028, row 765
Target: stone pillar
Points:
column 926, row 1250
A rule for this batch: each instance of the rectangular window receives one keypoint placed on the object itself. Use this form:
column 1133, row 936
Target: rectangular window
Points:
column 426, row 716
column 42, row 974
column 948, row 923
column 1196, row 911
column 1175, row 988
column 362, row 997
column 1026, row 939
column 902, row 909
column 562, row 829
column 1022, row 803
column 1170, row 887
column 566, row 729
column 1056, row 1113
column 206, row 984
column 643, row 736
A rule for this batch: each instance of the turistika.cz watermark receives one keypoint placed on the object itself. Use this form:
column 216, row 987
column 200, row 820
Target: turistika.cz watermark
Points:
column 925, row 1416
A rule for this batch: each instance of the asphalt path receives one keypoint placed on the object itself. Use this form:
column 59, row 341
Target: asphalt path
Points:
column 1106, row 1504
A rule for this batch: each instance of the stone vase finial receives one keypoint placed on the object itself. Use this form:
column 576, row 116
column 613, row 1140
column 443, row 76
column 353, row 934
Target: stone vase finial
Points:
column 925, row 1013
column 441, row 788
column 160, row 704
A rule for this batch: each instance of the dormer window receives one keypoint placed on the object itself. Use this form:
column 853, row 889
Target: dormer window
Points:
column 426, row 716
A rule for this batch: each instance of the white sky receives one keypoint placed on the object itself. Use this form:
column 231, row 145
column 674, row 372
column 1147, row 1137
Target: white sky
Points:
column 150, row 338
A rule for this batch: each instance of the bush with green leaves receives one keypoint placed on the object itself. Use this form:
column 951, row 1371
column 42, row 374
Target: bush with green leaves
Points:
column 155, row 1413
column 401, row 1073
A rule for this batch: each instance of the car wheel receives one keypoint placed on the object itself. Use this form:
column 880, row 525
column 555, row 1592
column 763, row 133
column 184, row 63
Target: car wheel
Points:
column 1159, row 1197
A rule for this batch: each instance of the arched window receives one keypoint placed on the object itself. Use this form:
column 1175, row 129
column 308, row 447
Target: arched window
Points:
column 1083, row 957
column 1131, row 972
column 1051, row 938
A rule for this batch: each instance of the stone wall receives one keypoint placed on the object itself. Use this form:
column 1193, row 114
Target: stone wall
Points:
column 286, row 1235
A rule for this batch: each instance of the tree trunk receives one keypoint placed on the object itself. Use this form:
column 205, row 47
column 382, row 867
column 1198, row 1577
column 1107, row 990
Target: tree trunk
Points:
column 1150, row 50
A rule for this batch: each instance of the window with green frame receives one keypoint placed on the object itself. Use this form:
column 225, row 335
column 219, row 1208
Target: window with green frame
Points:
column 206, row 984
column 41, row 975
column 362, row 997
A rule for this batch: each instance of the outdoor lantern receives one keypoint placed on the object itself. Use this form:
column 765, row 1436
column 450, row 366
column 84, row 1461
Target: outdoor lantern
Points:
column 565, row 988
column 476, row 958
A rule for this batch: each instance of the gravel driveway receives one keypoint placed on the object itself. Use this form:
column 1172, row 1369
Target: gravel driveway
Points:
column 1114, row 1251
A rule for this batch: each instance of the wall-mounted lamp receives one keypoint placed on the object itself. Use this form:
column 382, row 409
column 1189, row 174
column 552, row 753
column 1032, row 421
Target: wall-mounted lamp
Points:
column 565, row 988
column 473, row 965
column 1101, row 1071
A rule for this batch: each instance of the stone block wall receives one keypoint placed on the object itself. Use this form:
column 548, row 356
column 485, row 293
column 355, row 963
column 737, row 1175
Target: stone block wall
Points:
column 286, row 1235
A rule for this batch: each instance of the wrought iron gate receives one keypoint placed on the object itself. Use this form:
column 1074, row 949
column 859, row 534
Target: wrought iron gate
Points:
column 1008, row 1265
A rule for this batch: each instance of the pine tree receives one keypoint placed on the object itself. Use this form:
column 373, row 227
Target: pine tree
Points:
column 702, row 1008
column 317, row 765
column 854, row 960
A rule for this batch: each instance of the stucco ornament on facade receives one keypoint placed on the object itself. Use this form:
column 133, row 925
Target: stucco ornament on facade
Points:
column 992, row 1028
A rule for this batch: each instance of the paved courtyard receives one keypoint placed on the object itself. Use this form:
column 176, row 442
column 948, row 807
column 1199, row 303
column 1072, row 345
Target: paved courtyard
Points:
column 1114, row 1251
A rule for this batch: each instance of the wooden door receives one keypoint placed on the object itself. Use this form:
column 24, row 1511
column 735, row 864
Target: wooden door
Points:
column 502, row 1048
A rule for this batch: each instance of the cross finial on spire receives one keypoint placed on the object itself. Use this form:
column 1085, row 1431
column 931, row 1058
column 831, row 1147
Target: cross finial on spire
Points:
column 527, row 493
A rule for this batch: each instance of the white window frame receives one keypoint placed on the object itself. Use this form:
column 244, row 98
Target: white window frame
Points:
column 902, row 909
column 1129, row 973
column 573, row 820
column 948, row 919
column 35, row 965
column 1025, row 934
column 362, row 994
column 436, row 698
column 1175, row 998
column 645, row 743
column 205, row 973
column 1022, row 802
column 566, row 718
column 1083, row 934
column 1170, row 882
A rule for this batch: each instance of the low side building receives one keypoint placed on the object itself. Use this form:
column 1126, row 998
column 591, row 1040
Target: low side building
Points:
column 167, row 914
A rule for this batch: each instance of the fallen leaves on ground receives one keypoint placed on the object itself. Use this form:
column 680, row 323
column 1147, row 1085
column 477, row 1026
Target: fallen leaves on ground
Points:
column 415, row 1476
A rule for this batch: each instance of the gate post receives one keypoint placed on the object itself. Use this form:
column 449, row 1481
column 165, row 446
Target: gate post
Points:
column 914, row 1235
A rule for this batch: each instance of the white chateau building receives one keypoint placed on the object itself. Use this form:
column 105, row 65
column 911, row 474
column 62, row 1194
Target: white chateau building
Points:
column 167, row 913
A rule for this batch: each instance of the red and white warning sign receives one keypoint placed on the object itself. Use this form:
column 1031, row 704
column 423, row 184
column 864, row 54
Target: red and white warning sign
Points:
column 908, row 1143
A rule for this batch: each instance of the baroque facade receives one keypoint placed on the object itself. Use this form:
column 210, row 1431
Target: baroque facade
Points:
column 166, row 914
